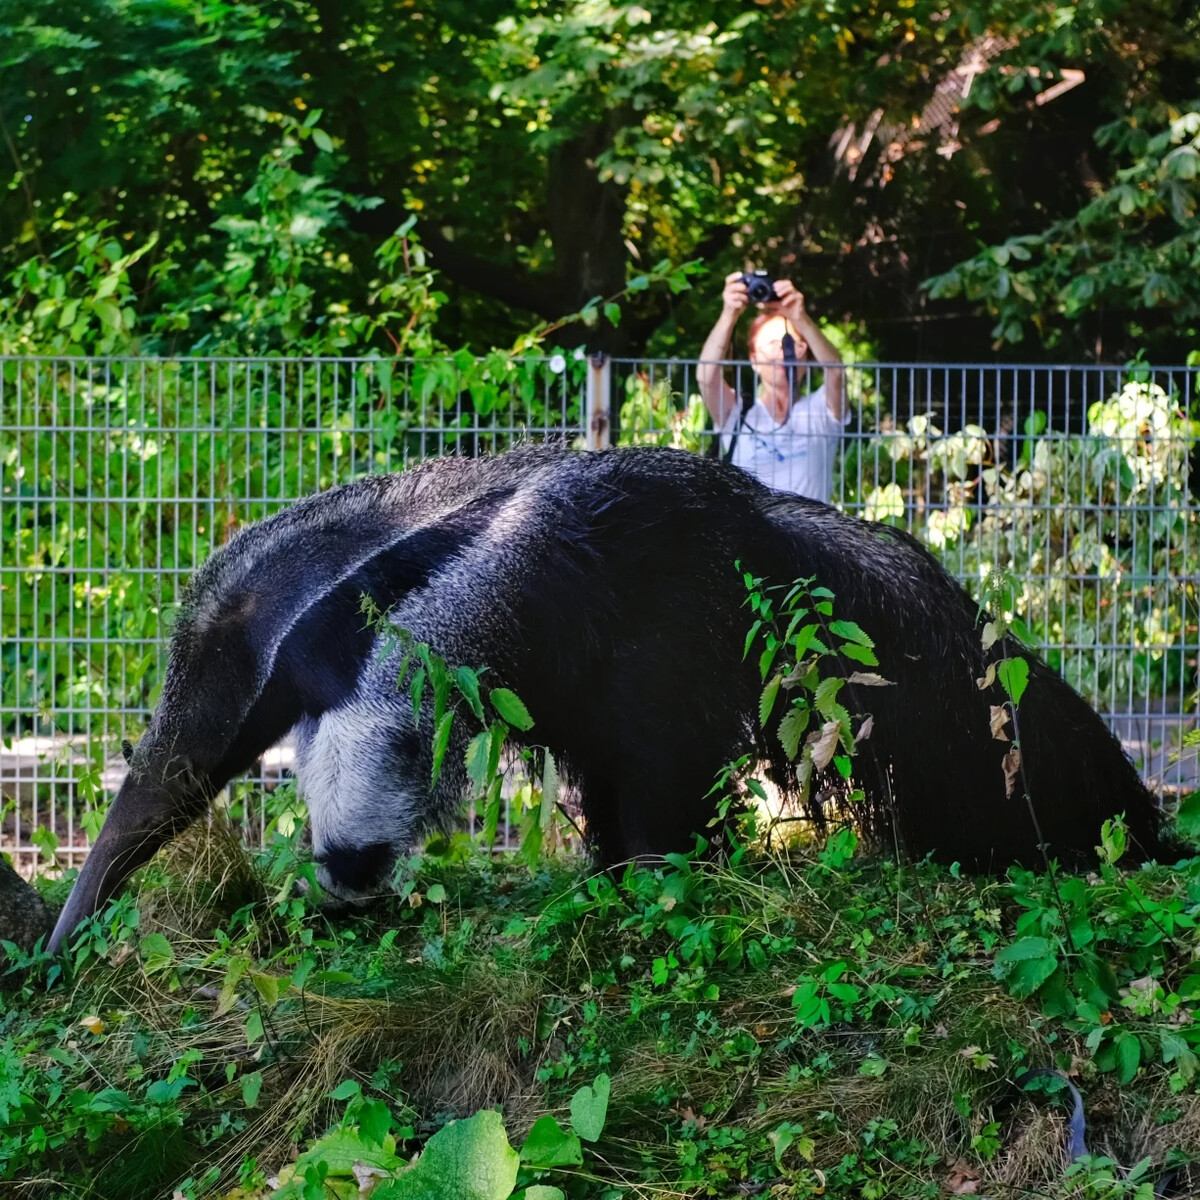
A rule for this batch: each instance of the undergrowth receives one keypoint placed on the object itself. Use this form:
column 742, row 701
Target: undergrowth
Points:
column 797, row 1024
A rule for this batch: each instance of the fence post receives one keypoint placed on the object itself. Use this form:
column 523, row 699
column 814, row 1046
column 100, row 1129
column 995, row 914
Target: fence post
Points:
column 599, row 401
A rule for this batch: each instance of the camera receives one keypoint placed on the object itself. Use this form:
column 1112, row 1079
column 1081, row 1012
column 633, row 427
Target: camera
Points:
column 760, row 287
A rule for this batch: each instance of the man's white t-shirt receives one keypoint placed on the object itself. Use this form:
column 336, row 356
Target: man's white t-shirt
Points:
column 795, row 456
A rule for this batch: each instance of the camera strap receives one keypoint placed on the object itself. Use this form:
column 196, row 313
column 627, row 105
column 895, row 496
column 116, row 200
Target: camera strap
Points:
column 789, row 358
column 747, row 405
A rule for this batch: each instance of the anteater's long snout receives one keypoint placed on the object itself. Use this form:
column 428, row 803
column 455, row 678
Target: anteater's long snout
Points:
column 146, row 814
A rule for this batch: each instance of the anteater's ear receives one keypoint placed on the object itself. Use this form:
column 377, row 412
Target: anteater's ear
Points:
column 127, row 749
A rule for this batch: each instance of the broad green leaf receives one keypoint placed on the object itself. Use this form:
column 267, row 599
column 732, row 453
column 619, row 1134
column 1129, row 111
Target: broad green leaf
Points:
column 441, row 739
column 766, row 702
column 157, row 954
column 549, row 791
column 478, row 757
column 1013, row 674
column 251, row 1086
column 1129, row 1056
column 467, row 1160
column 509, row 705
column 589, row 1107
column 1187, row 819
column 792, row 727
column 859, row 654
column 467, row 682
column 254, row 1027
column 267, row 986
column 338, row 1152
column 549, row 1145
column 1026, row 964
column 374, row 1121
column 851, row 633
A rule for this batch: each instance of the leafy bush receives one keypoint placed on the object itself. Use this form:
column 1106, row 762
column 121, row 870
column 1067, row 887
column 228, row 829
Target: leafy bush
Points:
column 1092, row 528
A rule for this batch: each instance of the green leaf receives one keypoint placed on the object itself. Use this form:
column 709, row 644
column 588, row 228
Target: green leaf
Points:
column 441, row 739
column 1129, row 1056
column 478, row 757
column 589, row 1107
column 549, row 1145
column 613, row 312
column 1026, row 964
column 467, row 682
column 374, row 1121
column 750, row 636
column 766, row 702
column 851, row 633
column 541, row 1191
column 1024, row 949
column 323, row 140
column 338, row 1152
column 1187, row 819
column 792, row 727
column 157, row 954
column 251, row 1086
column 254, row 1027
column 108, row 312
column 509, row 705
column 467, row 1160
column 859, row 654
column 436, row 894
column 416, row 689
column 549, row 792
column 267, row 986
column 1013, row 674
column 111, row 1100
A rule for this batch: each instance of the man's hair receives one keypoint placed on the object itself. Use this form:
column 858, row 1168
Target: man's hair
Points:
column 760, row 319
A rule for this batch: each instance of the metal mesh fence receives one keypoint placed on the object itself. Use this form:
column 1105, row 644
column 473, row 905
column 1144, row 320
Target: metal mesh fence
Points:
column 118, row 477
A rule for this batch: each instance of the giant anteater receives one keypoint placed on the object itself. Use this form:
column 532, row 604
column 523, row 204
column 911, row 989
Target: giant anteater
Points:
column 602, row 589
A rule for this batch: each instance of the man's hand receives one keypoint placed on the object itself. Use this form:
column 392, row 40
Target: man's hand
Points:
column 735, row 297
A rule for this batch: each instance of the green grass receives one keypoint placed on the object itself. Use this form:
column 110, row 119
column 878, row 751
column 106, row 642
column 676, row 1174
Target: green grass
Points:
column 775, row 1026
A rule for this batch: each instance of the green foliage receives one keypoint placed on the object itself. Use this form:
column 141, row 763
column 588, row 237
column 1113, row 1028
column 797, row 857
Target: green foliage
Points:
column 257, row 158
column 808, row 657
column 1131, row 248
column 1068, row 520
column 533, row 804
column 812, row 1021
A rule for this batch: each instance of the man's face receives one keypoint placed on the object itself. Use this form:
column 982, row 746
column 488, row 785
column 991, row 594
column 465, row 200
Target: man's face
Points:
column 767, row 348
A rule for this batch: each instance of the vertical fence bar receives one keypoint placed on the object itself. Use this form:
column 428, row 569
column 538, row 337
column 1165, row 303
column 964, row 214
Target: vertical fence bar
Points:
column 599, row 402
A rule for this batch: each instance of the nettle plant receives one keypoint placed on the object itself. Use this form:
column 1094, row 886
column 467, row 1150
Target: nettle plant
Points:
column 802, row 652
column 528, row 773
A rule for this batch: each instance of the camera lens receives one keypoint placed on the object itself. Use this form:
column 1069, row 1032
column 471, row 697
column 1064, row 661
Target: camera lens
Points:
column 759, row 289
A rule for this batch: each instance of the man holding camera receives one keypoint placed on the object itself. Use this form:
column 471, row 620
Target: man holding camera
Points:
column 782, row 433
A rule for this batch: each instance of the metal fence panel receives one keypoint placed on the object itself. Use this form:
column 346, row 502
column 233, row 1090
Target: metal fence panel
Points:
column 119, row 476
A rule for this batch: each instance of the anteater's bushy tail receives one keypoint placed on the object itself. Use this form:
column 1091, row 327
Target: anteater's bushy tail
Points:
column 933, row 769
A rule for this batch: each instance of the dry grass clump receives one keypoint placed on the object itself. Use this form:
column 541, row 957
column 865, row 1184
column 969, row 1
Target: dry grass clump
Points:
column 198, row 880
